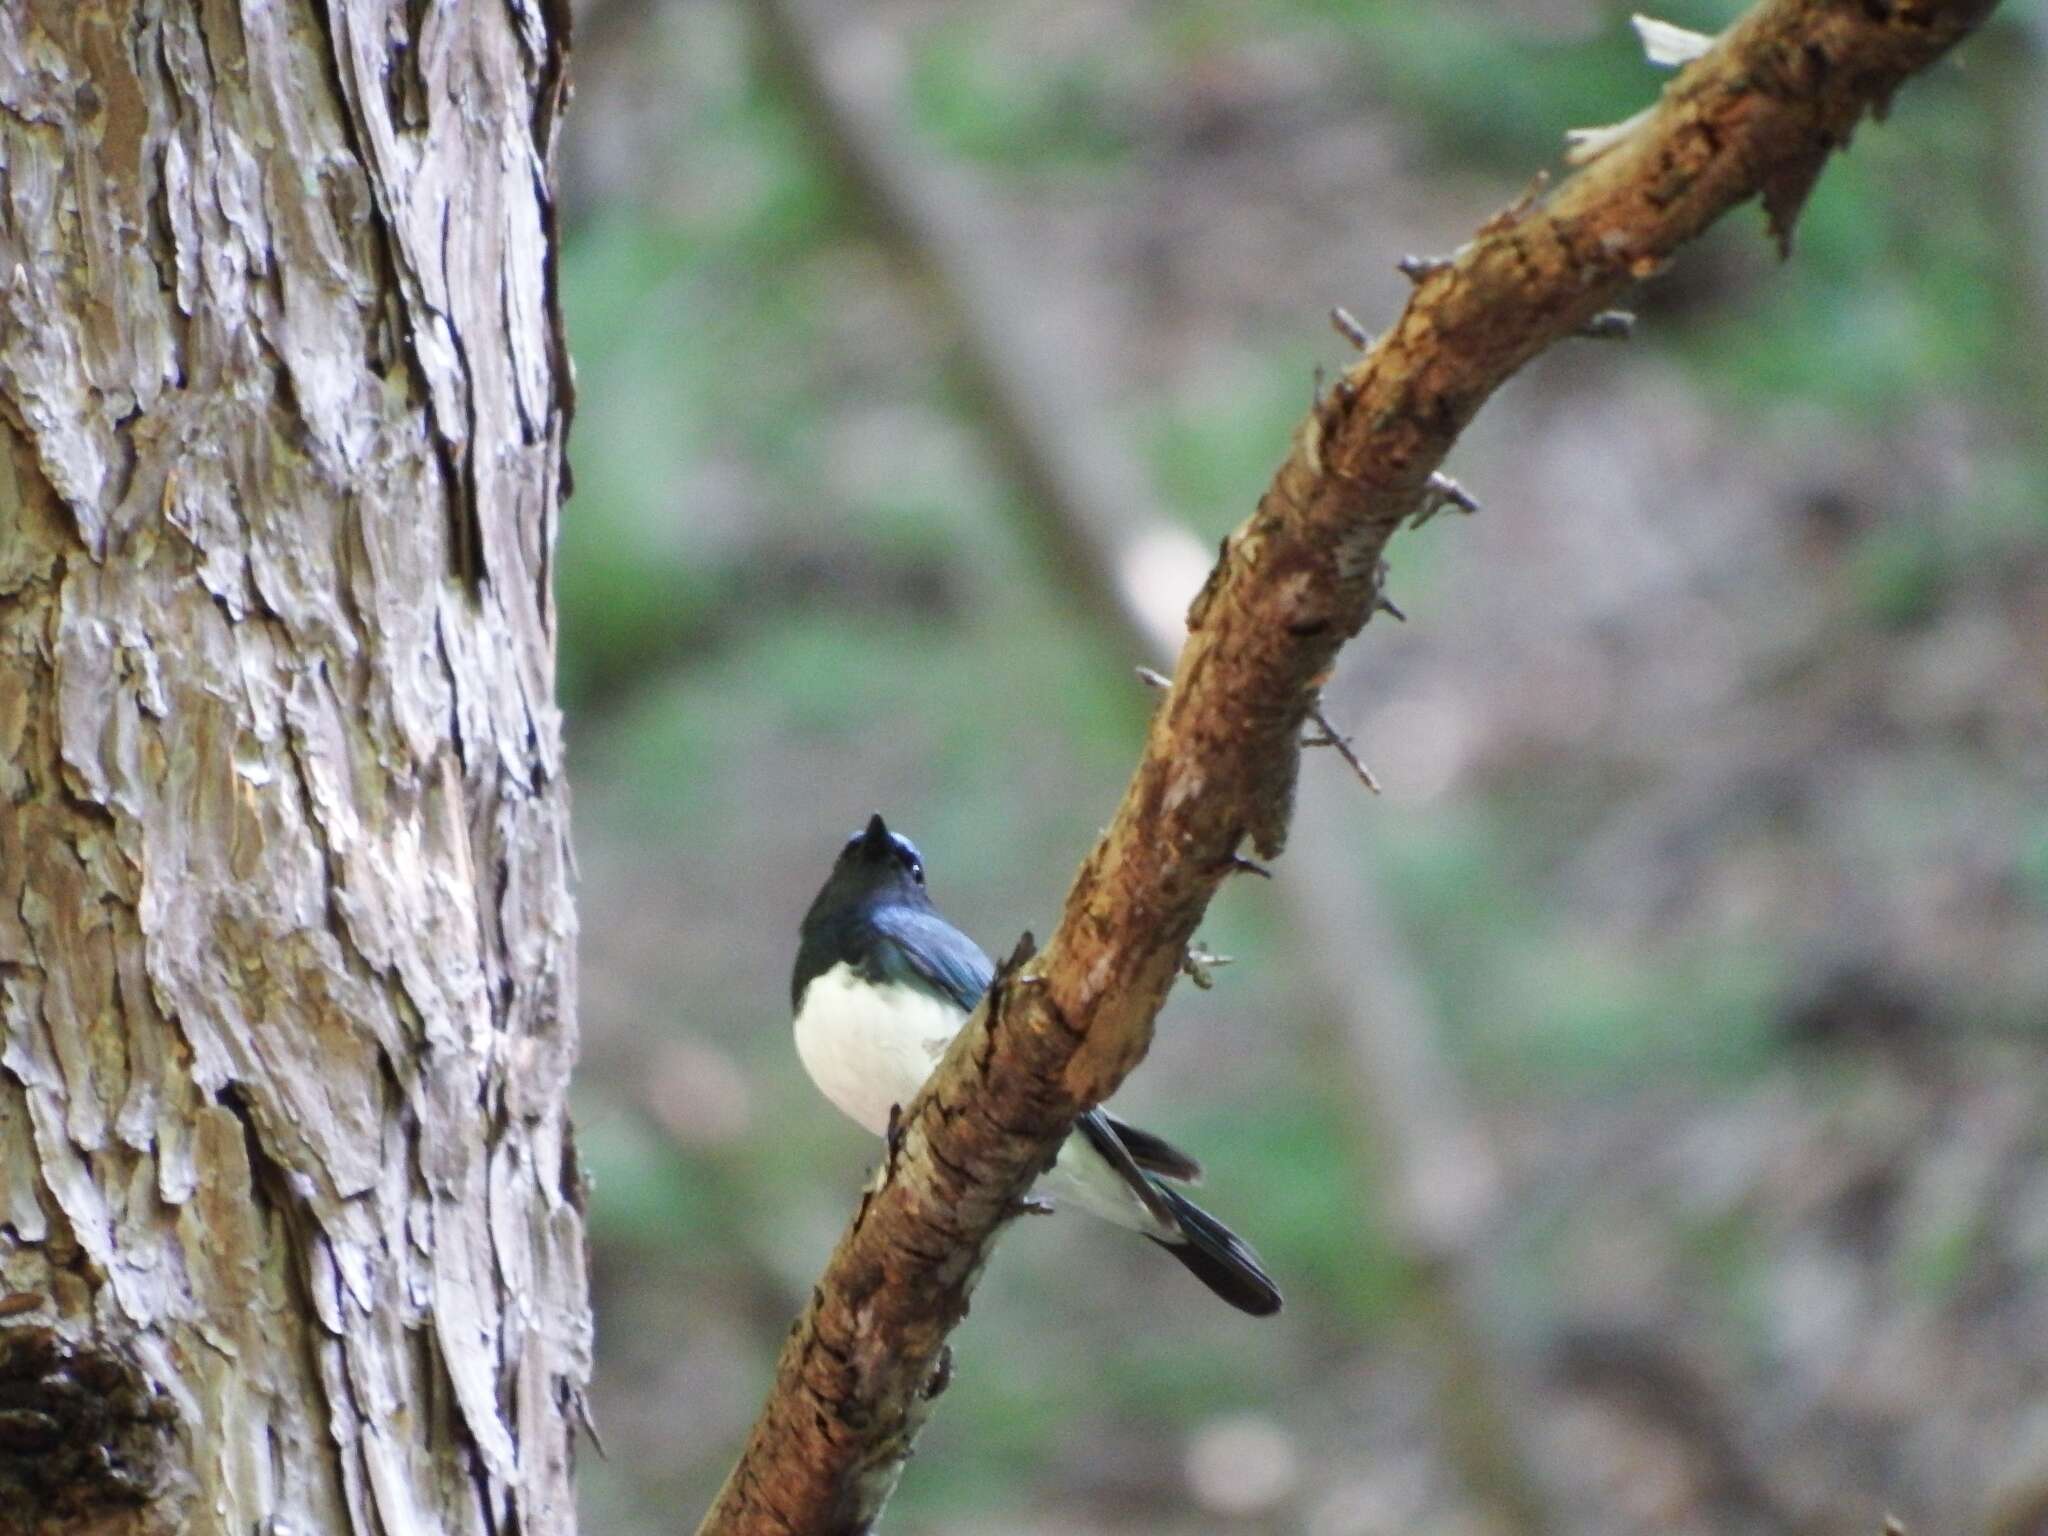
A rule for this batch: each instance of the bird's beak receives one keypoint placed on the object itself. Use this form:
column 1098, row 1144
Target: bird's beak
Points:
column 876, row 838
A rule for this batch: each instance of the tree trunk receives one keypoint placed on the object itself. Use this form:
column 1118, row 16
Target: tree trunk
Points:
column 290, row 1222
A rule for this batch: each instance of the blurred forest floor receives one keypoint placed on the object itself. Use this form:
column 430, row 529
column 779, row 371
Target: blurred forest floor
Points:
column 1715, row 753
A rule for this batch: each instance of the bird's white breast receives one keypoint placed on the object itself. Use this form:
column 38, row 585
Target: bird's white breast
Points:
column 868, row 1047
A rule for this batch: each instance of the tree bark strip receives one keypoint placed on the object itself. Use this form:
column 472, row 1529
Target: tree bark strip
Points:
column 1757, row 115
column 286, row 948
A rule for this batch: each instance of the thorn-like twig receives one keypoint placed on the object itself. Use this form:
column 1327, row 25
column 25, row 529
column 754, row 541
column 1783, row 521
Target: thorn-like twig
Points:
column 1418, row 268
column 1152, row 679
column 1381, row 603
column 942, row 1373
column 589, row 1422
column 1610, row 325
column 1035, row 1205
column 1518, row 210
column 1331, row 737
column 1453, row 493
column 1442, row 491
column 1198, row 964
column 1237, row 864
column 1345, row 325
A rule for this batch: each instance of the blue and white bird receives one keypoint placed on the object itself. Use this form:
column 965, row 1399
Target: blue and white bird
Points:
column 883, row 983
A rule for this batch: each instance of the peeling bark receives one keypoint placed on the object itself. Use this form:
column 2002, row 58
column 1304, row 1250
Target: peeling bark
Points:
column 286, row 948
column 1754, row 116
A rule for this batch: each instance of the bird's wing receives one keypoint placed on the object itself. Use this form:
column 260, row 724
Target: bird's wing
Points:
column 1095, row 1126
column 922, row 949
column 1154, row 1154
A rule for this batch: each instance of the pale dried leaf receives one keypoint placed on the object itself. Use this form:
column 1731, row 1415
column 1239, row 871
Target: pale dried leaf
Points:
column 1585, row 145
column 1667, row 45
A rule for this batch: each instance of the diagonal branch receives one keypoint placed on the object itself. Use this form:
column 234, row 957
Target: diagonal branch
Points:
column 1754, row 115
column 1434, row 1177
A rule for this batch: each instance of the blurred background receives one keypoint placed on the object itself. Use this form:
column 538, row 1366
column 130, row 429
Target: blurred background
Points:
column 1641, row 1101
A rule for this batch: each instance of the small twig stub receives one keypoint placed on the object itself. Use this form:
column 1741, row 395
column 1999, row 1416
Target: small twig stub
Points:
column 1332, row 737
column 1199, row 965
column 1610, row 325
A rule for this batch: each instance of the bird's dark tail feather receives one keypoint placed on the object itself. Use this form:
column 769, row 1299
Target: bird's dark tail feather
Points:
column 1215, row 1256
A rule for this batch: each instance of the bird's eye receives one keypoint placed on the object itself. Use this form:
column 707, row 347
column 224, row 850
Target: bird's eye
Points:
column 917, row 871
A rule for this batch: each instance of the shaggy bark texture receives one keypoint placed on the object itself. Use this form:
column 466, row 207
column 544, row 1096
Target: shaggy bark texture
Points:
column 290, row 1223
column 1756, row 115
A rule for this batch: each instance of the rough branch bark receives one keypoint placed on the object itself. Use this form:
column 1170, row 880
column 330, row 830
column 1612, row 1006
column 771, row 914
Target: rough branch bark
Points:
column 1758, row 114
column 1433, row 1176
column 290, row 1224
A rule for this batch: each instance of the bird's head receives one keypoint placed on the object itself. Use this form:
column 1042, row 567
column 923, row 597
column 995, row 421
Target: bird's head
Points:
column 875, row 867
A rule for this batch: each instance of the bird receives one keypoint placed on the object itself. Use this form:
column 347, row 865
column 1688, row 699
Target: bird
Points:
column 882, row 983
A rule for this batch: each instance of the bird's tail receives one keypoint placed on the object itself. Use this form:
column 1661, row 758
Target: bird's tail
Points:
column 1217, row 1257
